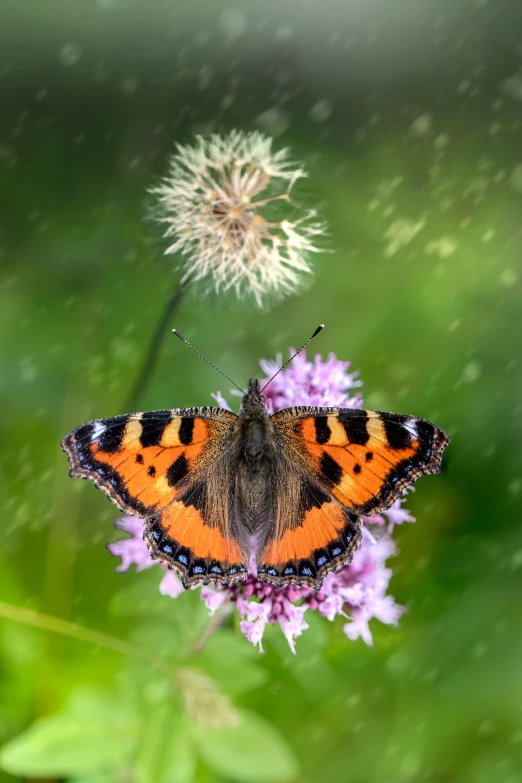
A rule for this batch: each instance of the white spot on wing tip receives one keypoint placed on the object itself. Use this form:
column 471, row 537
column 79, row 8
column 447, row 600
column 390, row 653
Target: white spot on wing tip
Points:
column 411, row 425
column 98, row 429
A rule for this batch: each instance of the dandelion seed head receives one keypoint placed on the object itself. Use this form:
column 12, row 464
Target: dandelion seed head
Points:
column 228, row 214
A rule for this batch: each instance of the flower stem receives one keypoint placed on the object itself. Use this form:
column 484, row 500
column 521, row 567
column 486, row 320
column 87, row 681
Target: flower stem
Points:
column 46, row 622
column 216, row 622
column 155, row 344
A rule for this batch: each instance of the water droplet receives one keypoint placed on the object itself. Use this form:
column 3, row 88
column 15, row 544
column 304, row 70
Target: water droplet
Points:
column 400, row 234
column 512, row 87
column 129, row 86
column 516, row 179
column 321, row 111
column 233, row 23
column 421, row 125
column 508, row 277
column 516, row 560
column 273, row 121
column 71, row 53
column 284, row 33
column 443, row 247
column 472, row 372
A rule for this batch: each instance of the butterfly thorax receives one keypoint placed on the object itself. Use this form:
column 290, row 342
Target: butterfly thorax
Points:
column 253, row 437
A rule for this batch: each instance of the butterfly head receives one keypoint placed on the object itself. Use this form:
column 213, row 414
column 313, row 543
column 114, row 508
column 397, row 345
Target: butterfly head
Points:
column 253, row 400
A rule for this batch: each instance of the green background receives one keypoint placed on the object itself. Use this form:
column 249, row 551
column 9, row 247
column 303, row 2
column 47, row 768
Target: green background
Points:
column 408, row 116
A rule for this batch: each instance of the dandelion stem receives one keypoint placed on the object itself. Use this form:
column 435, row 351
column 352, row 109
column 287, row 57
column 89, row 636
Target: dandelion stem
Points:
column 155, row 344
column 46, row 622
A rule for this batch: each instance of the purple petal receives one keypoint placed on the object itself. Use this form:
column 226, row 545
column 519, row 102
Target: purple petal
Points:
column 253, row 632
column 387, row 611
column 358, row 626
column 257, row 615
column 171, row 585
column 254, row 610
column 292, row 622
column 315, row 382
column 134, row 550
column 397, row 515
column 213, row 598
column 332, row 606
column 221, row 401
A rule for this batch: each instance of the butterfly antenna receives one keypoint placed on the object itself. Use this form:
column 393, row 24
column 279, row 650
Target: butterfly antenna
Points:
column 319, row 329
column 206, row 360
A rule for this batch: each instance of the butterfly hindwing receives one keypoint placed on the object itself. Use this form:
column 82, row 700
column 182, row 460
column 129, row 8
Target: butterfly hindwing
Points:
column 322, row 537
column 168, row 467
column 197, row 540
column 309, row 532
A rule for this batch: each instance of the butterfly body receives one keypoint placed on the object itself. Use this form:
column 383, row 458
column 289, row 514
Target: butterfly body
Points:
column 281, row 495
column 253, row 431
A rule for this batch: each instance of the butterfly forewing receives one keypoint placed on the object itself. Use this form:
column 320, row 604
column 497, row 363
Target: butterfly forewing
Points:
column 365, row 458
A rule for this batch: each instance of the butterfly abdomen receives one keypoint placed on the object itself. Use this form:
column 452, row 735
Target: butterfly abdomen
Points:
column 253, row 456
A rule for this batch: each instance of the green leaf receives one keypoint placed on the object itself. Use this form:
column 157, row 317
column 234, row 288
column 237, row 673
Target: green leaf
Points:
column 310, row 667
column 141, row 597
column 230, row 646
column 91, row 733
column 235, row 678
column 252, row 752
column 95, row 777
column 229, row 661
column 181, row 760
column 165, row 753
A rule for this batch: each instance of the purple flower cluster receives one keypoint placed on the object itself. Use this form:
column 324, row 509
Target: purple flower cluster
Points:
column 357, row 592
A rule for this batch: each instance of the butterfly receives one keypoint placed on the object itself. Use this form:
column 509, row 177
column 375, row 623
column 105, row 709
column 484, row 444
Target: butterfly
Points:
column 222, row 495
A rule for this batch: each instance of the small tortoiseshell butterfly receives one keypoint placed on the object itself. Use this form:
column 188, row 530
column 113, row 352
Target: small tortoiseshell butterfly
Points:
column 219, row 493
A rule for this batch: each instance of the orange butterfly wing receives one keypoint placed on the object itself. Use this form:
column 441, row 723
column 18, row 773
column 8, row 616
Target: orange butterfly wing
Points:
column 169, row 468
column 350, row 462
column 367, row 458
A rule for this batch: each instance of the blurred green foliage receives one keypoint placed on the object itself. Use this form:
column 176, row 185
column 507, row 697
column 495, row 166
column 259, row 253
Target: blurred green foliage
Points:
column 418, row 172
